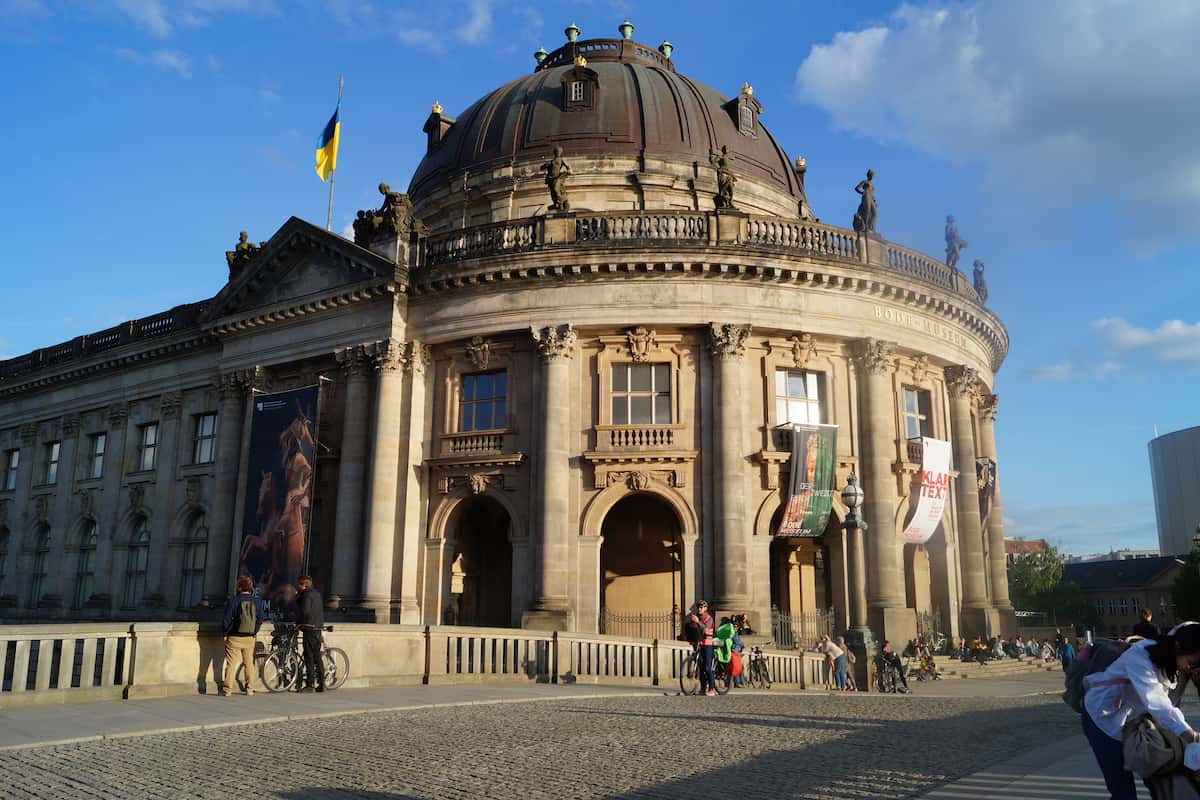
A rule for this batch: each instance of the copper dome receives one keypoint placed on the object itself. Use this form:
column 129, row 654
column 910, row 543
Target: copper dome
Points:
column 642, row 109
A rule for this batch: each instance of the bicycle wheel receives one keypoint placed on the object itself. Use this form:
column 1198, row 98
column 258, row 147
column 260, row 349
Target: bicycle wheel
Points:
column 885, row 682
column 280, row 671
column 722, row 680
column 337, row 667
column 764, row 675
column 689, row 674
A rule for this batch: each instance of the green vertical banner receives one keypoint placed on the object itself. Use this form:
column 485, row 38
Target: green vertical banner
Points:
column 811, row 489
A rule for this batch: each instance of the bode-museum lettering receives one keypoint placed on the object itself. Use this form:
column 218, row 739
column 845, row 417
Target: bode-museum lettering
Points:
column 910, row 320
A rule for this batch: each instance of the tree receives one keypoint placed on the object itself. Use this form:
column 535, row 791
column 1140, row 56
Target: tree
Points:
column 1032, row 575
column 1185, row 592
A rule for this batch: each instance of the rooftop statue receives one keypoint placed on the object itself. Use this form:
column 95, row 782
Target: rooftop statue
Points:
column 980, row 283
column 725, row 177
column 241, row 254
column 557, row 171
column 954, row 244
column 388, row 221
column 864, row 218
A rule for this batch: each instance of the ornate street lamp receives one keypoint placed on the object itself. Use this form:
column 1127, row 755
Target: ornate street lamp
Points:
column 852, row 497
column 858, row 636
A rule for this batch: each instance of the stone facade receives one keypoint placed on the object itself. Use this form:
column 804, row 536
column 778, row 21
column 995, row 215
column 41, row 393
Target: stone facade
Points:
column 559, row 331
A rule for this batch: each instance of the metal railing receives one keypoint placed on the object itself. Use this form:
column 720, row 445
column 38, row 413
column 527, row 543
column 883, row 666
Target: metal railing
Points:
column 640, row 624
column 929, row 630
column 798, row 631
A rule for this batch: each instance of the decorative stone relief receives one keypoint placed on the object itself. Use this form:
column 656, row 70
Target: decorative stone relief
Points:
column 961, row 380
column 29, row 433
column 638, row 481
column 988, row 404
column 641, row 341
column 169, row 404
column 118, row 415
column 70, row 424
column 478, row 483
column 137, row 494
column 86, row 502
column 920, row 369
column 191, row 492
column 229, row 386
column 803, row 349
column 873, row 356
column 256, row 379
column 479, row 350
column 475, row 483
column 388, row 355
column 392, row 219
column 41, row 508
column 555, row 341
column 727, row 340
column 418, row 357
column 354, row 360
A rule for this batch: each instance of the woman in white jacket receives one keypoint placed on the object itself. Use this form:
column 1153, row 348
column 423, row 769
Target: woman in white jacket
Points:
column 1137, row 683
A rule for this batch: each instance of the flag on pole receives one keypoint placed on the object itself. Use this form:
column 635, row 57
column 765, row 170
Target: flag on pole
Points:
column 327, row 145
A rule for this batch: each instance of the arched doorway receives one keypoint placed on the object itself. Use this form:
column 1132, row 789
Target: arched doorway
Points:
column 801, row 586
column 641, row 575
column 480, row 568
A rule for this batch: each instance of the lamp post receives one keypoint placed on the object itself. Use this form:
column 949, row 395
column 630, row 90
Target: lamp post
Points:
column 858, row 635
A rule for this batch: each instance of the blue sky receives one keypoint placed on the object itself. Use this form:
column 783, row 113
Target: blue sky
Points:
column 142, row 135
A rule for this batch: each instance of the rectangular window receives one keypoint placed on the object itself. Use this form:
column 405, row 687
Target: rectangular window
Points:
column 205, row 440
column 148, row 446
column 1099, row 606
column 99, row 442
column 1124, row 606
column 12, row 459
column 917, row 422
column 576, row 91
column 641, row 394
column 52, row 452
column 483, row 403
column 747, row 117
column 797, row 397
column 1112, row 606
column 191, row 582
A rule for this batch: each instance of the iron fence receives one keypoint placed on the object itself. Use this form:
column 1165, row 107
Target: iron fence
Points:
column 641, row 624
column 797, row 631
column 929, row 631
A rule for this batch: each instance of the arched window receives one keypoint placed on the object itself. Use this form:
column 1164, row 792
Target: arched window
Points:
column 3, row 558
column 85, row 574
column 41, row 561
column 195, row 553
column 135, row 565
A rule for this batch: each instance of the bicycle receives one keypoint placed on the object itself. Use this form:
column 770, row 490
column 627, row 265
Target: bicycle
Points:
column 689, row 674
column 885, row 676
column 758, row 674
column 281, row 668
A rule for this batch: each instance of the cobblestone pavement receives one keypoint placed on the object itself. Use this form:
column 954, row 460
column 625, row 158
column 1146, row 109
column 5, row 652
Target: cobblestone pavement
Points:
column 747, row 745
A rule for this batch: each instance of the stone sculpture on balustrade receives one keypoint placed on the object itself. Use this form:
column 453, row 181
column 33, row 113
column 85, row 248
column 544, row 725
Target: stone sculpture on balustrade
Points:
column 725, row 178
column 954, row 243
column 864, row 217
column 557, row 171
column 980, row 283
column 391, row 220
column 242, row 254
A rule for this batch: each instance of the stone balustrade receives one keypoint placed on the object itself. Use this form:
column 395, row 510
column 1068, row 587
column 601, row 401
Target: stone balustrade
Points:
column 472, row 442
column 635, row 437
column 81, row 663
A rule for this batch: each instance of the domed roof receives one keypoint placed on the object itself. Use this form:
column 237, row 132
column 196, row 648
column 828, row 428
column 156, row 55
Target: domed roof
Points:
column 636, row 106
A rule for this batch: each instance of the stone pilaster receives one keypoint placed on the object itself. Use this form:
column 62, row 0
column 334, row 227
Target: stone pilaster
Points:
column 961, row 382
column 389, row 358
column 550, row 608
column 25, row 512
column 887, row 611
column 728, row 345
column 171, row 439
column 345, row 584
column 231, row 389
column 60, row 581
column 997, row 561
column 114, row 463
column 412, row 442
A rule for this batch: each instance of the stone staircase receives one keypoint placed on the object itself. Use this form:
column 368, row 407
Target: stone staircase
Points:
column 1006, row 668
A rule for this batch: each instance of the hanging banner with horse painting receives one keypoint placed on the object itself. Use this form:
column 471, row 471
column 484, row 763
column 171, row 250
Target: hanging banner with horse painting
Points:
column 275, row 522
column 811, row 489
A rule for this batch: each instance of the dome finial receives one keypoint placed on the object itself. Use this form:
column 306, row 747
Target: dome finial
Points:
column 572, row 31
column 747, row 89
column 436, row 108
column 625, row 29
column 580, row 61
column 666, row 48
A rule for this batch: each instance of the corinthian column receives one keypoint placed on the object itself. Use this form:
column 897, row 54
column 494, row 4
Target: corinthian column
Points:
column 352, row 468
column 556, row 346
column 388, row 355
column 231, row 389
column 887, row 610
column 961, row 382
column 728, row 345
column 997, row 561
column 412, row 446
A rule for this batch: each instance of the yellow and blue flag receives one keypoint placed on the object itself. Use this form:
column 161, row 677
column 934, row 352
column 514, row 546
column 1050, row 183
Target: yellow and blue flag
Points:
column 327, row 145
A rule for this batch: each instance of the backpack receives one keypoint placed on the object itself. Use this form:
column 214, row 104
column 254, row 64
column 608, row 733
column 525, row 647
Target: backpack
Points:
column 693, row 632
column 247, row 619
column 1092, row 658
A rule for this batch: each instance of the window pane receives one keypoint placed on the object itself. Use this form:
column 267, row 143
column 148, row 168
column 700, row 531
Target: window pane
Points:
column 468, row 388
column 639, row 379
column 911, row 428
column 620, row 414
column 620, row 377
column 813, row 379
column 797, row 411
column 814, row 412
column 483, row 386
column 662, row 409
column 465, row 417
column 101, row 441
column 639, row 409
column 781, row 383
column 662, row 377
column 150, row 435
column 796, row 385
column 483, row 417
column 781, row 415
column 500, row 384
column 500, row 416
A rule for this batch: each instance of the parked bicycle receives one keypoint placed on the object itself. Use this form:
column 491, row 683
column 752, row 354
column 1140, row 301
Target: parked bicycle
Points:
column 689, row 674
column 281, row 668
column 886, row 678
column 758, row 674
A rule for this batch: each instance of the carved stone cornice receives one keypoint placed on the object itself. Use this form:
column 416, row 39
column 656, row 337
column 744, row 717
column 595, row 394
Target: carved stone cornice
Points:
column 70, row 424
column 803, row 349
column 29, row 433
column 555, row 341
column 873, row 356
column 479, row 351
column 961, row 380
column 727, row 339
column 169, row 404
column 641, row 341
column 988, row 404
column 354, row 360
column 418, row 356
column 388, row 355
column 118, row 415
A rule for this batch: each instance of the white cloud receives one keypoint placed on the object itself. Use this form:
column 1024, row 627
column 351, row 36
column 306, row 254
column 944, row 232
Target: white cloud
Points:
column 161, row 18
column 478, row 23
column 1085, row 528
column 170, row 60
column 435, row 28
column 348, row 231
column 1173, row 341
column 1064, row 101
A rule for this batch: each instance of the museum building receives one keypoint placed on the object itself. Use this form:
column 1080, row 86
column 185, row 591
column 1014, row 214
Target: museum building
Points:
column 558, row 378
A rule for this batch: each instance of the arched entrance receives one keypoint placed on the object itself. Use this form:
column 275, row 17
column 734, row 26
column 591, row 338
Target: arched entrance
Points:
column 480, row 566
column 641, row 575
column 801, row 590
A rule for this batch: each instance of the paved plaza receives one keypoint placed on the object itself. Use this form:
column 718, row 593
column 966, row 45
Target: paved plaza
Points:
column 554, row 742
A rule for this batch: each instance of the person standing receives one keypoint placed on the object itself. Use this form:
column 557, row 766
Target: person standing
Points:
column 312, row 625
column 705, row 626
column 1145, row 627
column 243, row 617
column 838, row 655
column 1066, row 653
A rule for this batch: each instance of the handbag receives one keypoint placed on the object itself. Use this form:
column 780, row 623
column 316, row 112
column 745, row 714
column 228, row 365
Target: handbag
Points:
column 1149, row 749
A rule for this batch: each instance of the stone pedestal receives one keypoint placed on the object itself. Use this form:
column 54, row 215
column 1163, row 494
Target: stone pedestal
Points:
column 547, row 619
column 730, row 225
column 861, row 642
column 559, row 228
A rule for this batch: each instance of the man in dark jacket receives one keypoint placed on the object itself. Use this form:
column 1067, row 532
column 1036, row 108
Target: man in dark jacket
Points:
column 312, row 624
column 1145, row 627
column 243, row 617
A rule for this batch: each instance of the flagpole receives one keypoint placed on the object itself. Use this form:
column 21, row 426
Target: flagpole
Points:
column 333, row 172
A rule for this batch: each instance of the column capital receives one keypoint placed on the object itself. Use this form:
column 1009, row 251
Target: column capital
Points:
column 873, row 356
column 169, row 404
column 29, row 433
column 555, row 341
column 256, row 379
column 354, row 360
column 961, row 380
column 70, row 424
column 118, row 415
column 229, row 386
column 387, row 355
column 727, row 339
column 987, row 406
column 418, row 357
